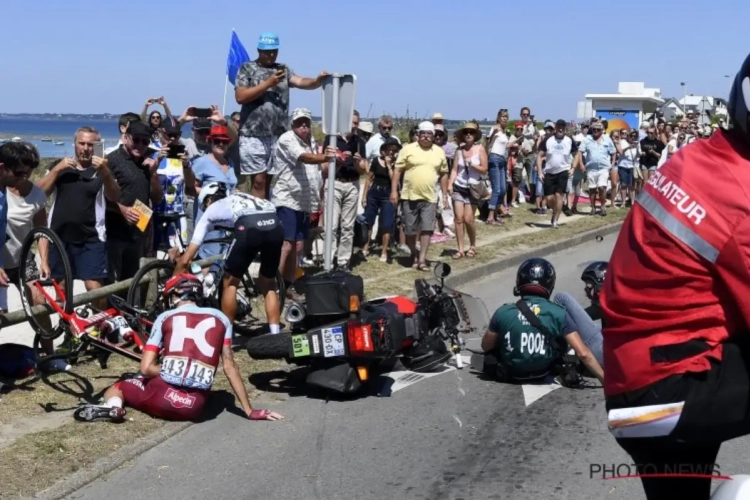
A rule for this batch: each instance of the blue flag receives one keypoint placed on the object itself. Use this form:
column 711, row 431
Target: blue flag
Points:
column 236, row 58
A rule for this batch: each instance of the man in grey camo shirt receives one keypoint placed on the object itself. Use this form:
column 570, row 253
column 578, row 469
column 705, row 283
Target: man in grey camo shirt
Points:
column 262, row 88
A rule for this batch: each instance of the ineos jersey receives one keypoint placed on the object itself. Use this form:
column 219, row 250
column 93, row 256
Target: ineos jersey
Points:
column 227, row 211
column 193, row 338
column 678, row 281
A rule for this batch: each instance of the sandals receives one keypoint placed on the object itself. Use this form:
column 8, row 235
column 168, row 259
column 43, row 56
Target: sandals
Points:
column 458, row 255
column 494, row 222
column 471, row 253
column 420, row 266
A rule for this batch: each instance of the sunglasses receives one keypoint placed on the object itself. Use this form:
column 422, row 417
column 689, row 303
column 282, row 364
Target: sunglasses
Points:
column 174, row 136
column 524, row 114
column 382, row 127
column 141, row 141
column 220, row 142
column 22, row 173
column 303, row 124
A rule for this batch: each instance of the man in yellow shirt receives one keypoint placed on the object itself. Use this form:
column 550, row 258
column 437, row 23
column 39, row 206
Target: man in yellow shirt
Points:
column 421, row 164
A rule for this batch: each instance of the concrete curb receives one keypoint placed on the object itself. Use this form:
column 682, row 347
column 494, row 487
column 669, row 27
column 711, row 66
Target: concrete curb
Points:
column 105, row 465
column 482, row 271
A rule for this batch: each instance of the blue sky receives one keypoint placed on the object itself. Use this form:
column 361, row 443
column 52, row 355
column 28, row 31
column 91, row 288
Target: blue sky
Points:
column 464, row 59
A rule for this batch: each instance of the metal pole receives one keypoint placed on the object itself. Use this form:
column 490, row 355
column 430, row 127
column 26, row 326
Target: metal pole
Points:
column 330, row 194
column 224, row 106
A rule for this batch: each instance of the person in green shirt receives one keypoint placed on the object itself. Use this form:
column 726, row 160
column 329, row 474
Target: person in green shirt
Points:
column 527, row 349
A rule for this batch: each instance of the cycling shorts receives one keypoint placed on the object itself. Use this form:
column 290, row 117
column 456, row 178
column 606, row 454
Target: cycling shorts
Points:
column 256, row 233
column 155, row 397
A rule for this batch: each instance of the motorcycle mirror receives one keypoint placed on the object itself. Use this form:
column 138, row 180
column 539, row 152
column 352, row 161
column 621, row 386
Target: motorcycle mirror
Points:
column 442, row 270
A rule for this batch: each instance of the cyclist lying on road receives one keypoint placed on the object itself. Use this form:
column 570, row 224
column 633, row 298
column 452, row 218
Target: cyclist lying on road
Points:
column 257, row 229
column 194, row 339
column 583, row 321
column 525, row 338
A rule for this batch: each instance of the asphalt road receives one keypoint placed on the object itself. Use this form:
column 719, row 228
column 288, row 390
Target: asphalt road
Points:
column 451, row 436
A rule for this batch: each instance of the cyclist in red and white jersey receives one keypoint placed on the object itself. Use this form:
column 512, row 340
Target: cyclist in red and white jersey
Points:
column 192, row 341
column 257, row 230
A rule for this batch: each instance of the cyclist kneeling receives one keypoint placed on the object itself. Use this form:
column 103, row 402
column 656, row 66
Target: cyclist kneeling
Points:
column 528, row 338
column 257, row 230
column 583, row 321
column 193, row 340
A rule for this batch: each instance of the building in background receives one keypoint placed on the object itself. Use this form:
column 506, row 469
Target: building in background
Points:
column 627, row 108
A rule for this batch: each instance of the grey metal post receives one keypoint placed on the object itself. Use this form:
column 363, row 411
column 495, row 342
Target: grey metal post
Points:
column 330, row 195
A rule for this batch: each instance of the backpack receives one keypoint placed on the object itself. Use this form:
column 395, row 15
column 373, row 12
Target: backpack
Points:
column 16, row 361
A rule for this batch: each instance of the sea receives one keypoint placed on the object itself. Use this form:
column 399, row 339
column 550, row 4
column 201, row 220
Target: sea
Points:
column 34, row 131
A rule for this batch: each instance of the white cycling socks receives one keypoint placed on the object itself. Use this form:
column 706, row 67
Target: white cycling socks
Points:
column 275, row 328
column 114, row 402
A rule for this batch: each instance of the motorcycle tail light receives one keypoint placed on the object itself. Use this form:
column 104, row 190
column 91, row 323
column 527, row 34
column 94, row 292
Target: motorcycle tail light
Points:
column 360, row 338
column 362, row 372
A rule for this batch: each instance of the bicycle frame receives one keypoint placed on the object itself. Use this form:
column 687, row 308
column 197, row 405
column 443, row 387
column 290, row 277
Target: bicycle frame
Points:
column 81, row 327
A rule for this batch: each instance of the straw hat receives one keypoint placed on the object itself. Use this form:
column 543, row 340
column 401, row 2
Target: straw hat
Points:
column 366, row 127
column 469, row 127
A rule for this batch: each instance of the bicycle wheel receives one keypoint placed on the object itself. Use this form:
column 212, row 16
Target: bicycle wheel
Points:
column 145, row 295
column 53, row 291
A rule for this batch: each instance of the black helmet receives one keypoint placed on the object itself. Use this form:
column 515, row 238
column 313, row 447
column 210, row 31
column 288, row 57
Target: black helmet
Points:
column 595, row 273
column 739, row 100
column 535, row 277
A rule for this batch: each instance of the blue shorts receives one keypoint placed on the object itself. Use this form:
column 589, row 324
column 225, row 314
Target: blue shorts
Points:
column 88, row 261
column 626, row 176
column 296, row 224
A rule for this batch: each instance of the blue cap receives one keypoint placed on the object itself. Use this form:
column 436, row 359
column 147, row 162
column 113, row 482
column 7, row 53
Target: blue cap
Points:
column 268, row 41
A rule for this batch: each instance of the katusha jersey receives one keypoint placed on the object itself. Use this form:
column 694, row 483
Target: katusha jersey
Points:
column 678, row 282
column 192, row 338
column 227, row 211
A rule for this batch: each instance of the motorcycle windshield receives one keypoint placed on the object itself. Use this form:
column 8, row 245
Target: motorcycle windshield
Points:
column 474, row 314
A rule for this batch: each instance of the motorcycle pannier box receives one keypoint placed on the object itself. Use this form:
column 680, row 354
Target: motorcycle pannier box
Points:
column 328, row 293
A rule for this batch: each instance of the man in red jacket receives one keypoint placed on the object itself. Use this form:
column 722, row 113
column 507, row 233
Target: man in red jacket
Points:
column 676, row 304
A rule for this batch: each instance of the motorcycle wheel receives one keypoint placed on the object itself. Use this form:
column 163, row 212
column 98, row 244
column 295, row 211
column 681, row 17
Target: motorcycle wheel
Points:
column 269, row 346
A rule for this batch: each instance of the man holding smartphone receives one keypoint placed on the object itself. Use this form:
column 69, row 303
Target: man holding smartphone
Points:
column 177, row 181
column 262, row 88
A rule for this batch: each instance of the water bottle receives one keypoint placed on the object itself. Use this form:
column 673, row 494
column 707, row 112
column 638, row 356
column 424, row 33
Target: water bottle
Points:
column 196, row 270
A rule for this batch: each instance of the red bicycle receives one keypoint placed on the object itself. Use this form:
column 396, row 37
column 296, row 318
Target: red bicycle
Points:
column 120, row 329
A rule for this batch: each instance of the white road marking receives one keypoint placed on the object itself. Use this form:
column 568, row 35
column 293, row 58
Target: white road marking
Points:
column 534, row 392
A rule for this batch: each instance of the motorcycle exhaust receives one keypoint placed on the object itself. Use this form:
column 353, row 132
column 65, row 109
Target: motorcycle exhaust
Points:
column 294, row 313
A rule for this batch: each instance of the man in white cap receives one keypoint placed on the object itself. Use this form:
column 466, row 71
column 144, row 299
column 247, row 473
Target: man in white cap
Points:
column 296, row 188
column 437, row 119
column 421, row 164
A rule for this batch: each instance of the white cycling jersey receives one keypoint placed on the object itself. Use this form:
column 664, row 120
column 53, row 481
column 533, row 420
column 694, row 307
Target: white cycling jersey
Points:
column 227, row 211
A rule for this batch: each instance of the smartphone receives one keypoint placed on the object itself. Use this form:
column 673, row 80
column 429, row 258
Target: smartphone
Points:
column 175, row 150
column 203, row 112
column 99, row 149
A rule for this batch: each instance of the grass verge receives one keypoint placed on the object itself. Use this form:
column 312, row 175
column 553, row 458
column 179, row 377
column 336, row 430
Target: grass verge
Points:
column 519, row 233
column 40, row 443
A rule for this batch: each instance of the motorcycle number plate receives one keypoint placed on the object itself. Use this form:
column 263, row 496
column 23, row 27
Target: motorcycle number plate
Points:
column 333, row 342
column 300, row 346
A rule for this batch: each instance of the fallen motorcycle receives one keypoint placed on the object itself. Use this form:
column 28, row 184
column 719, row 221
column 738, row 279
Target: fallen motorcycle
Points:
column 341, row 345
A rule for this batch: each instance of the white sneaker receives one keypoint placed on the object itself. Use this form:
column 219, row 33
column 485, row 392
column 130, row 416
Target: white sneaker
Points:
column 514, row 205
column 449, row 233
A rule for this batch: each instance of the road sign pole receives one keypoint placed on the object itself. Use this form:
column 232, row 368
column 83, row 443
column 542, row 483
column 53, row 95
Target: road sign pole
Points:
column 331, row 195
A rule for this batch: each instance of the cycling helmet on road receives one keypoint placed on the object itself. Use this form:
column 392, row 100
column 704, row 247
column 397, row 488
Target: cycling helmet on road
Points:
column 215, row 190
column 593, row 276
column 185, row 286
column 535, row 277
